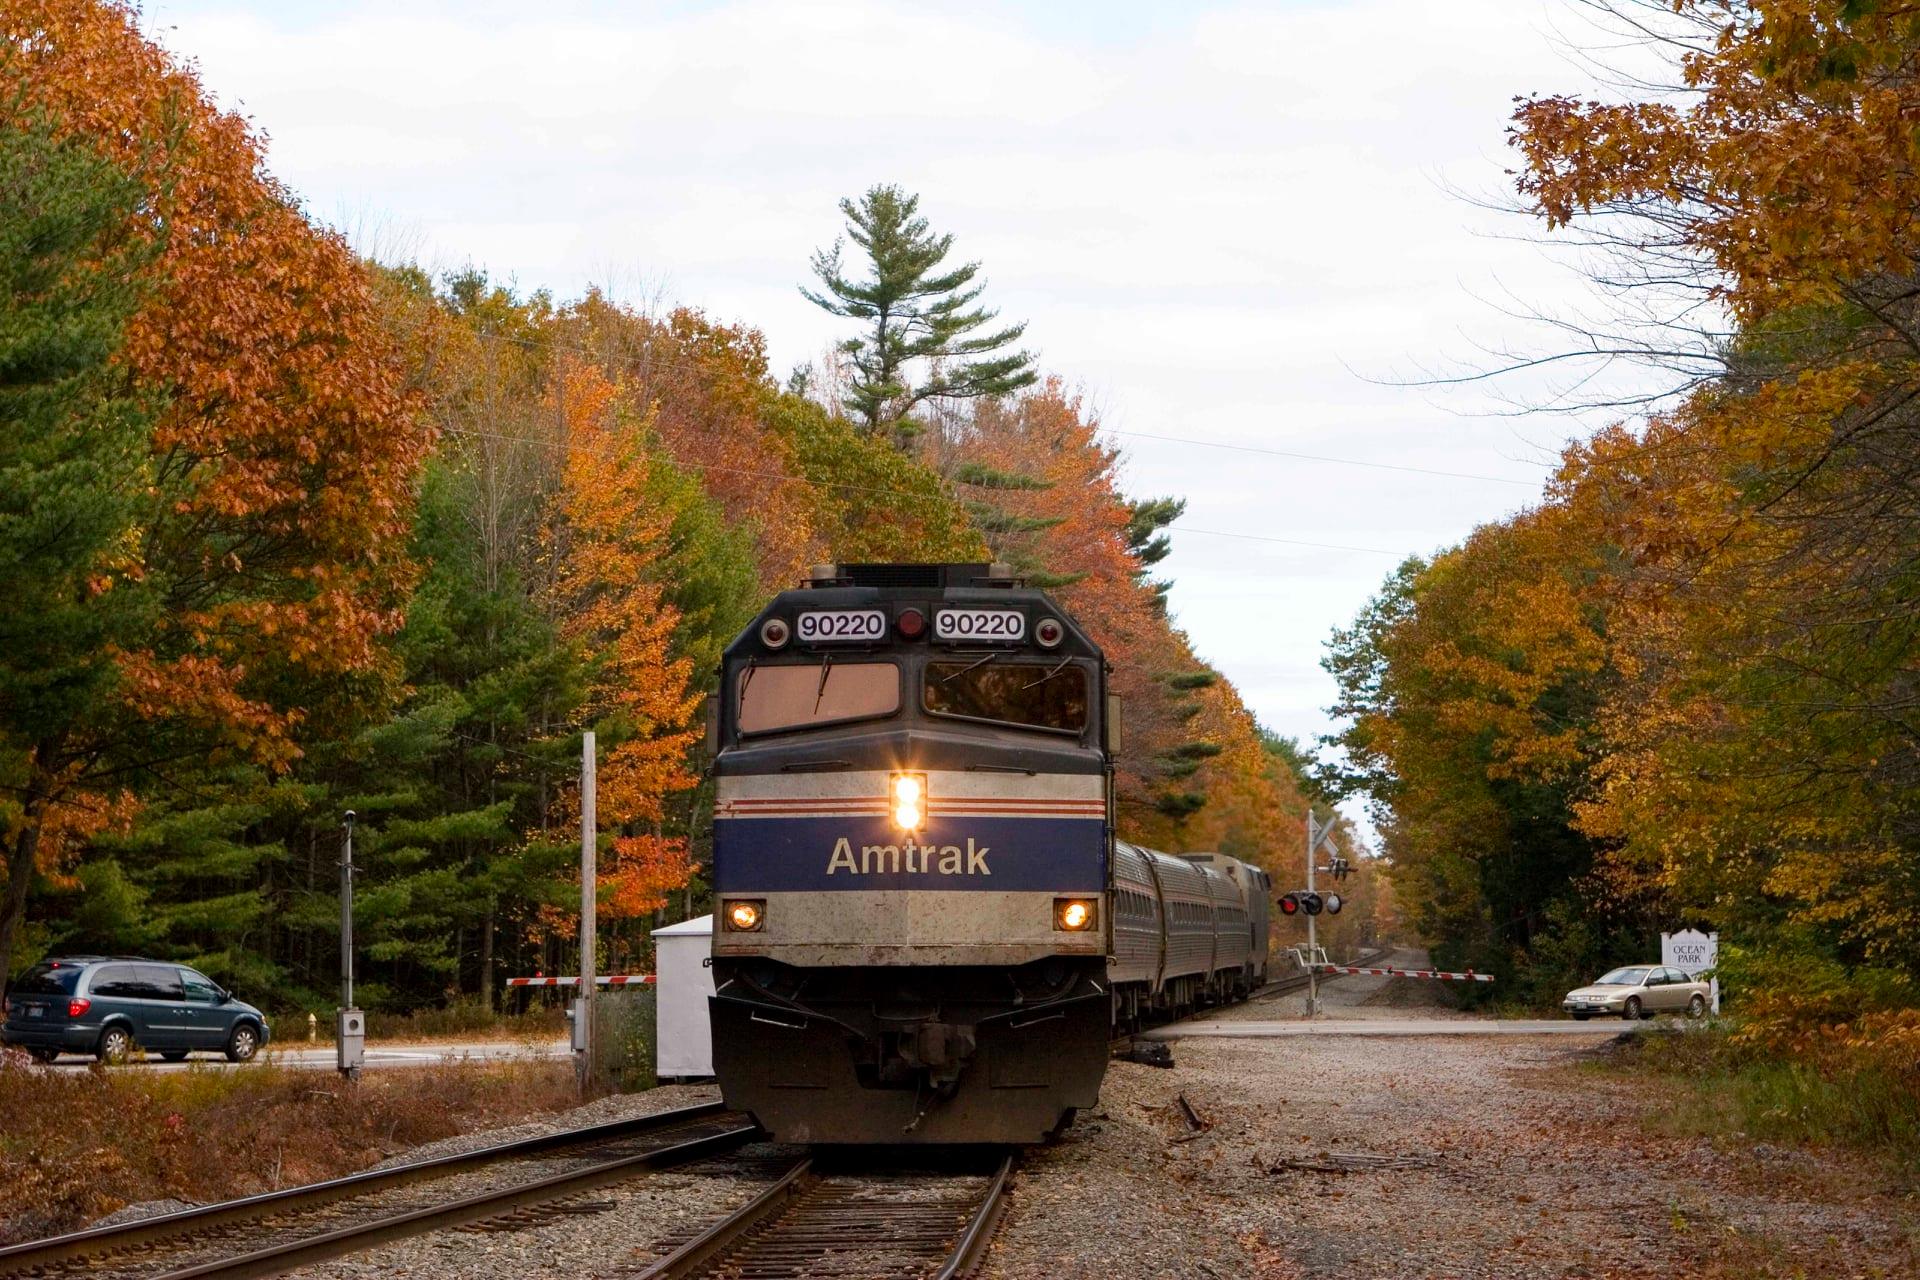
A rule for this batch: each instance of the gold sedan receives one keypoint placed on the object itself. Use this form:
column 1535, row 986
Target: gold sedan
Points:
column 1640, row 991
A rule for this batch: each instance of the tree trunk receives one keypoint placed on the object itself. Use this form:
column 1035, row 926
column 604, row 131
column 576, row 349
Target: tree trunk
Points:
column 20, row 855
column 486, row 962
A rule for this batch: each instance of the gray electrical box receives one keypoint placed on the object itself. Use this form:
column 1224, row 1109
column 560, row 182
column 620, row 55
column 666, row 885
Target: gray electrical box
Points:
column 350, row 1040
column 577, row 1016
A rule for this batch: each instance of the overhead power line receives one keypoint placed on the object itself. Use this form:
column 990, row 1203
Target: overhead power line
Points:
column 784, row 478
column 1321, row 457
column 1294, row 455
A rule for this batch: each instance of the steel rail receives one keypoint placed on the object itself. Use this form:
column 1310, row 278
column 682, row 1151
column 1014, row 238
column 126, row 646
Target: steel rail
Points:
column 690, row 1257
column 279, row 1259
column 973, row 1242
column 712, row 1247
column 104, row 1240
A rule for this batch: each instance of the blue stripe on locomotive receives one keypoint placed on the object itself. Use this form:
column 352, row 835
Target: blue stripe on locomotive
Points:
column 788, row 855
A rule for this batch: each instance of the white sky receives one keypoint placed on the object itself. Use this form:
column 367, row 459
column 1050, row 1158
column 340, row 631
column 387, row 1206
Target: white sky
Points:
column 1224, row 222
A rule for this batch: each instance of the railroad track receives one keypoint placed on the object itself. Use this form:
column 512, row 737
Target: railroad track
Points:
column 268, row 1235
column 845, row 1223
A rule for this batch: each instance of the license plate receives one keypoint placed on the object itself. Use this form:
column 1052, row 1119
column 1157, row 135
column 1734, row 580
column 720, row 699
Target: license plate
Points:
column 841, row 626
column 979, row 624
column 35, row 1011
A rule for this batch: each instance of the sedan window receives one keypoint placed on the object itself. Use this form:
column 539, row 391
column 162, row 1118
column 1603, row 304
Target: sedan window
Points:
column 1624, row 978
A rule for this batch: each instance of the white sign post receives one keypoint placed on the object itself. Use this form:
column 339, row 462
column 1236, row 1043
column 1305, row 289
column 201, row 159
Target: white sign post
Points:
column 1693, row 952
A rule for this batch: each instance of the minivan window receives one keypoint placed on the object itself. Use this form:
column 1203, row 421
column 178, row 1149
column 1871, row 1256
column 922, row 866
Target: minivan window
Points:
column 1025, row 694
column 160, row 982
column 116, row 980
column 47, row 980
column 815, row 693
column 199, row 987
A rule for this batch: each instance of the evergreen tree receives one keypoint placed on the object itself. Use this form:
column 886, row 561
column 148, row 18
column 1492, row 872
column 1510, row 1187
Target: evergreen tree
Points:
column 72, row 469
column 914, row 312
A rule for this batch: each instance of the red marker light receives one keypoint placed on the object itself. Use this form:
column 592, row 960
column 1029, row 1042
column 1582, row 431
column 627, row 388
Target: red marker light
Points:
column 1048, row 632
column 910, row 623
column 773, row 633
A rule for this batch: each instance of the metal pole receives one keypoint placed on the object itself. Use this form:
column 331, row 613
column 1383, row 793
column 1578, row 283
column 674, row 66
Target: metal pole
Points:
column 346, row 915
column 1313, row 947
column 589, row 907
column 349, row 1027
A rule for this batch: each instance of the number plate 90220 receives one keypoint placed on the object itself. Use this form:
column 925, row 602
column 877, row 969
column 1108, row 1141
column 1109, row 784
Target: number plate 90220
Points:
column 1002, row 625
column 840, row 626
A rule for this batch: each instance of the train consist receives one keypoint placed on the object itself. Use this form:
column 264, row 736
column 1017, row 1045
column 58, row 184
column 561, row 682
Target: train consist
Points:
column 925, row 929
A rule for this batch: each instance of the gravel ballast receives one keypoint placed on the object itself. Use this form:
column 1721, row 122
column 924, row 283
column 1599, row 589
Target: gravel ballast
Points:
column 1515, row 1166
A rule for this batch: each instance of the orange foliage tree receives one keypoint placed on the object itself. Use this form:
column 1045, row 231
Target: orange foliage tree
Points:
column 602, row 542
column 282, row 454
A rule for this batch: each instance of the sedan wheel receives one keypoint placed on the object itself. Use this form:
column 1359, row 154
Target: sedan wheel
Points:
column 1581, row 1015
column 1697, row 1007
column 116, row 1044
column 1632, row 1010
column 244, row 1043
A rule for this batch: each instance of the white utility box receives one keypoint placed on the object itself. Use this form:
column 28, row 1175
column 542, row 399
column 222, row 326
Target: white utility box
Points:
column 683, row 1035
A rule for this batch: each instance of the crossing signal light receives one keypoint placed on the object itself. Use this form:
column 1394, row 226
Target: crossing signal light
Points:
column 1333, row 904
column 1290, row 904
column 1310, row 903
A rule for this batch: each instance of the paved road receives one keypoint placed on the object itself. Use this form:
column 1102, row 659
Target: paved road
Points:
column 1384, row 1027
column 378, row 1056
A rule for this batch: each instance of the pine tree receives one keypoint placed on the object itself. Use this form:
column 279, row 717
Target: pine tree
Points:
column 914, row 313
column 72, row 473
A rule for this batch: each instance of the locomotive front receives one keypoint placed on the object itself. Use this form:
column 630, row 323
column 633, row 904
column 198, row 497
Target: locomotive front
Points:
column 911, row 845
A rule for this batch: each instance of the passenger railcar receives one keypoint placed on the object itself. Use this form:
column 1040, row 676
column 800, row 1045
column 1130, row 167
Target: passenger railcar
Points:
column 925, row 931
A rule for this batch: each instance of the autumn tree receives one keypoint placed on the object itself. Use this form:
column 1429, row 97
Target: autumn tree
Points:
column 279, row 458
column 926, row 338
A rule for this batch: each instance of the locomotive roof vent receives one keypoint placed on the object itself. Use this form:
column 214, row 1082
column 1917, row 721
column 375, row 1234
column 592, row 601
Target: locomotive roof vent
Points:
column 913, row 577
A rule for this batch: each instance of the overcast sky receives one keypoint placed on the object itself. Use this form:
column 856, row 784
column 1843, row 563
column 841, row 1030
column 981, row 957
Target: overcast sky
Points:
column 1238, row 224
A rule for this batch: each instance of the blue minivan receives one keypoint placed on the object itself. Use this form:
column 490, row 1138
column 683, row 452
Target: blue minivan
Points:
column 110, row 1006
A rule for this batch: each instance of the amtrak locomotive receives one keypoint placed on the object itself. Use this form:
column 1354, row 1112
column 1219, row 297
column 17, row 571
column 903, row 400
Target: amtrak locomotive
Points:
column 925, row 931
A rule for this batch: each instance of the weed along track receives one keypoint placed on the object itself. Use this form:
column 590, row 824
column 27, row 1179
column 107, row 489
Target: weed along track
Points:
column 851, row 1217
column 271, row 1234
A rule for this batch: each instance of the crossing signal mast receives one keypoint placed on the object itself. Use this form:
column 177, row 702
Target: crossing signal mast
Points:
column 1312, row 904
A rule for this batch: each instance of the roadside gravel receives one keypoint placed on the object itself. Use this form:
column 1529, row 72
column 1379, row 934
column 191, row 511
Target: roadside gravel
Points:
column 1530, row 1169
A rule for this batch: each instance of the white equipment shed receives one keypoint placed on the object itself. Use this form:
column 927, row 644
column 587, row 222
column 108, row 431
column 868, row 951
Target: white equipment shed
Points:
column 683, row 1037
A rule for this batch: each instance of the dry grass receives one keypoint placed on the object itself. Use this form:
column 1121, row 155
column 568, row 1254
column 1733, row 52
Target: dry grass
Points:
column 77, row 1145
column 460, row 1021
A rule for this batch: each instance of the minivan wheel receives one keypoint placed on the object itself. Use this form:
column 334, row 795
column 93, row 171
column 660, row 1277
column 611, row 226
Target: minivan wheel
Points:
column 1631, row 1012
column 116, row 1045
column 43, row 1055
column 1697, row 1007
column 243, row 1044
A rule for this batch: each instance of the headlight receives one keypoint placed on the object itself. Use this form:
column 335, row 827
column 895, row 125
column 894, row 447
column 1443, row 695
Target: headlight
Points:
column 909, row 800
column 1075, row 915
column 746, row 915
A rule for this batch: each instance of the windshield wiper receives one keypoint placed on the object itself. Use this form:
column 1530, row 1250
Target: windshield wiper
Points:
column 746, row 677
column 981, row 662
column 826, row 669
column 1035, row 684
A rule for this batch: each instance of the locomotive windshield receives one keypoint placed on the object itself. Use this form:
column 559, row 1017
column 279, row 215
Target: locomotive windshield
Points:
column 815, row 693
column 1025, row 694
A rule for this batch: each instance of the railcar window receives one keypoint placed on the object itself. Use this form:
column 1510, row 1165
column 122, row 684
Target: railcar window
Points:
column 815, row 693
column 1025, row 694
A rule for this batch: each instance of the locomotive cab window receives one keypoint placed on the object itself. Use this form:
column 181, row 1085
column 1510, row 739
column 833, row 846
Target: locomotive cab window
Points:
column 809, row 694
column 1029, row 695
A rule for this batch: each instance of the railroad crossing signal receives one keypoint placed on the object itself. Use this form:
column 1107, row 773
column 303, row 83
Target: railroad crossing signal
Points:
column 1311, row 903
